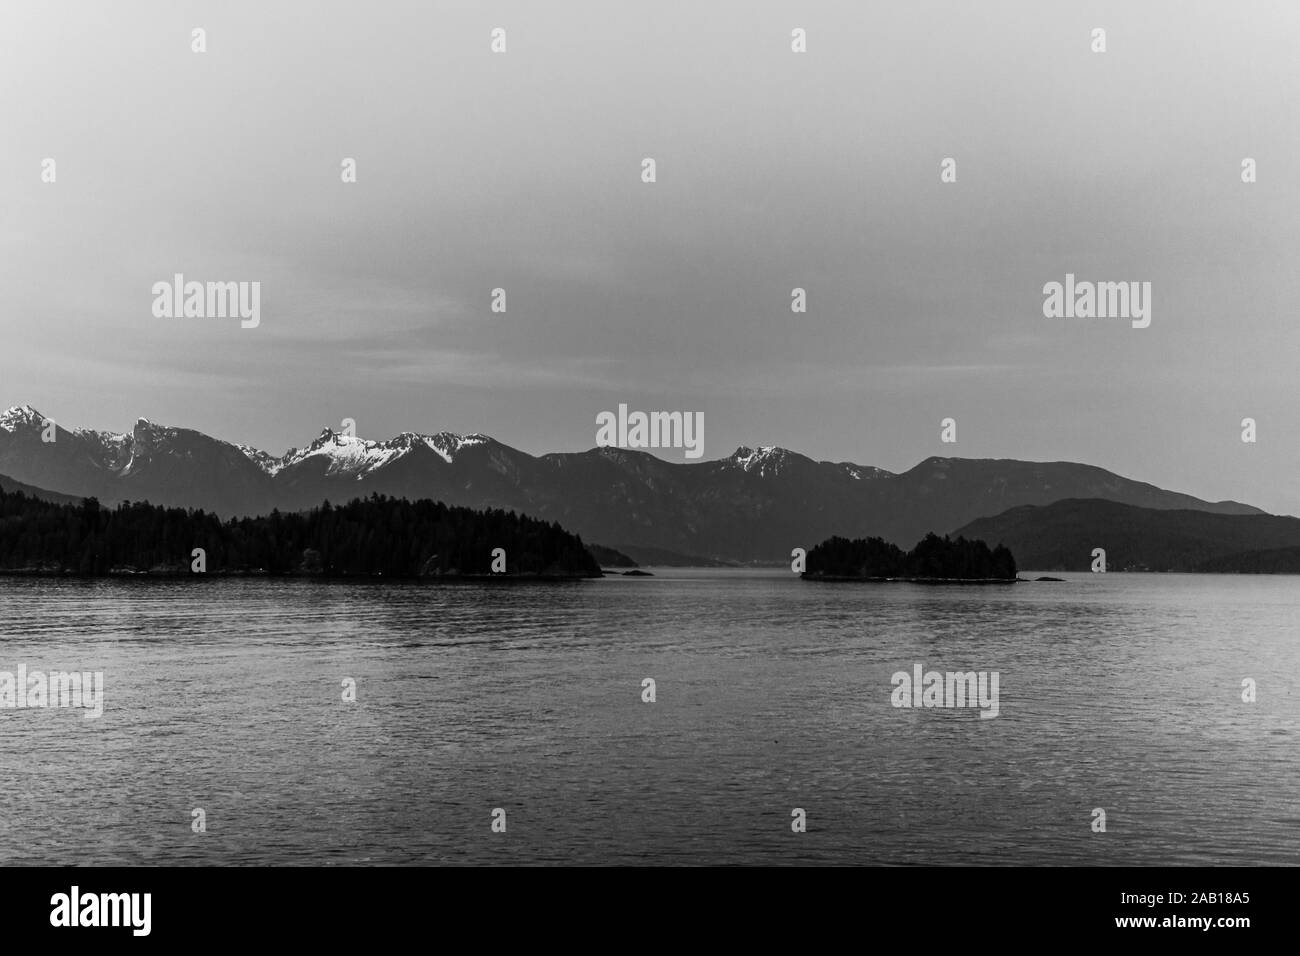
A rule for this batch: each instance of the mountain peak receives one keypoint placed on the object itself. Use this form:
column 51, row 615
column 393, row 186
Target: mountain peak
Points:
column 744, row 451
column 448, row 444
column 146, row 431
column 859, row 472
column 350, row 455
column 767, row 459
column 19, row 416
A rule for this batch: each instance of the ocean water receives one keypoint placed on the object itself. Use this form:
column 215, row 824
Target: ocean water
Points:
column 1117, row 691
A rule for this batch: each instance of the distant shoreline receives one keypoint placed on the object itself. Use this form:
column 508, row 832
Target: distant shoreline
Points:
column 169, row 575
column 507, row 578
column 844, row 578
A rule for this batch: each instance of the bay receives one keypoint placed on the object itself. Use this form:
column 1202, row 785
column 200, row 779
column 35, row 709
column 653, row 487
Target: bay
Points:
column 1118, row 691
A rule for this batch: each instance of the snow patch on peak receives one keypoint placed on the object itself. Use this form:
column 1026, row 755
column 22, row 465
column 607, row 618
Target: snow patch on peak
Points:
column 19, row 416
column 102, row 437
column 357, row 457
column 110, row 450
column 766, row 459
column 861, row 472
column 769, row 460
column 344, row 454
column 261, row 459
column 449, row 445
column 147, row 429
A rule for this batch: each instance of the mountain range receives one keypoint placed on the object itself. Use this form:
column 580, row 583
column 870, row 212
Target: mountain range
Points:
column 753, row 506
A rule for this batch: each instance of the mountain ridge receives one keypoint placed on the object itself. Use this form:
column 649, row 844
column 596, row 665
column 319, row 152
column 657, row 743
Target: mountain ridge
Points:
column 753, row 506
column 1062, row 536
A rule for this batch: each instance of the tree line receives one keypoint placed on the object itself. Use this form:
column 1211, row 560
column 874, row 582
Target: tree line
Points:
column 376, row 536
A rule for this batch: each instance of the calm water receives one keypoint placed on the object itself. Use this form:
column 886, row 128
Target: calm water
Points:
column 1116, row 691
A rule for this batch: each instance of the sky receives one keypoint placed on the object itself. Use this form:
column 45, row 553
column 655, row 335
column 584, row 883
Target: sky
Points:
column 522, row 170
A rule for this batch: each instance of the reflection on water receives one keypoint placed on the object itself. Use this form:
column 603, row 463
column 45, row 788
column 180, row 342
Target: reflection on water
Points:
column 1117, row 691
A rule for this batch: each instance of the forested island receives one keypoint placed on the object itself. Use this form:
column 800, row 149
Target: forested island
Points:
column 934, row 559
column 371, row 537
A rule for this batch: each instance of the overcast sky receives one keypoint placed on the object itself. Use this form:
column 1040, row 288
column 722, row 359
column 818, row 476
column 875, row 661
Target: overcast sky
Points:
column 523, row 171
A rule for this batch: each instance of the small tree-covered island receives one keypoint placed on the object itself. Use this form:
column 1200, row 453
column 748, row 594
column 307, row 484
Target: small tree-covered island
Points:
column 934, row 559
column 372, row 537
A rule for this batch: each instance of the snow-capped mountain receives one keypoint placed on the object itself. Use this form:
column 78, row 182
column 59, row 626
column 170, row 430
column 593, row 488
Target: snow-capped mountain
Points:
column 156, row 463
column 112, row 449
column 756, row 504
column 20, row 417
column 769, row 460
column 764, row 460
column 357, row 457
